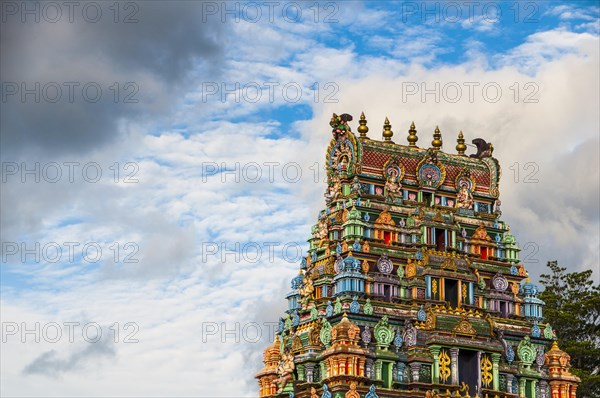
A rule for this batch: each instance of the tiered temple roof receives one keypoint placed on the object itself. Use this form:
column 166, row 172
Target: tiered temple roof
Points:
column 412, row 285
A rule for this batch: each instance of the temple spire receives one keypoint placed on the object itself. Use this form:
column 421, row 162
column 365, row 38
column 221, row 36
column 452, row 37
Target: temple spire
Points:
column 362, row 128
column 387, row 130
column 412, row 136
column 437, row 139
column 460, row 146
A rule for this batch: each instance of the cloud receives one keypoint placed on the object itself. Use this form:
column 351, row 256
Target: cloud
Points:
column 51, row 364
column 96, row 69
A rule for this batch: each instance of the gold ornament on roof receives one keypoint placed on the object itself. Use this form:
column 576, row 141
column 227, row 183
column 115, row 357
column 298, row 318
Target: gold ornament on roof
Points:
column 437, row 139
column 460, row 146
column 387, row 130
column 412, row 136
column 362, row 128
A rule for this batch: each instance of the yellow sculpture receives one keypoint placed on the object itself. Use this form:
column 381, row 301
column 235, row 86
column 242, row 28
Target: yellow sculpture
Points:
column 285, row 370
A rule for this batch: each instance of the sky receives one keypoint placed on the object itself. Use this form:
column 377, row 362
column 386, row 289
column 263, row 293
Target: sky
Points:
column 162, row 165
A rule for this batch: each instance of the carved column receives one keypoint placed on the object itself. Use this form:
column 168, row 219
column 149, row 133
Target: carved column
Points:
column 509, row 382
column 522, row 384
column 478, row 371
column 543, row 389
column 435, row 352
column 378, row 366
column 309, row 372
column 532, row 390
column 495, row 375
column 400, row 369
column 301, row 373
column 415, row 367
column 454, row 365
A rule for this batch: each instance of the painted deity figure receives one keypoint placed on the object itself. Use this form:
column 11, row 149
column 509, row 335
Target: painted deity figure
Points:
column 334, row 190
column 392, row 188
column 313, row 393
column 307, row 288
column 356, row 186
column 352, row 393
column 285, row 370
column 464, row 199
column 323, row 231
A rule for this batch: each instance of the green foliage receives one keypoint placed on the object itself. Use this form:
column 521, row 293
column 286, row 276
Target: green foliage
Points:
column 573, row 309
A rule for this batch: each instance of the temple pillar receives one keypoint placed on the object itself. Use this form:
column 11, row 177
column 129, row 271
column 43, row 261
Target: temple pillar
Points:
column 478, row 370
column 301, row 374
column 454, row 365
column 532, row 389
column 543, row 389
column 509, row 382
column 435, row 352
column 522, row 384
column 400, row 370
column 309, row 368
column 495, row 375
column 378, row 366
column 415, row 367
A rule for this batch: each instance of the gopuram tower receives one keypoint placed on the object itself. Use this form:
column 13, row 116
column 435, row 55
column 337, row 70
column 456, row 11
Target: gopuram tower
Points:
column 412, row 285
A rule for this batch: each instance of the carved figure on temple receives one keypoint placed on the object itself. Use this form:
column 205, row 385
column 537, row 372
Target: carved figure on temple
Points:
column 356, row 186
column 464, row 199
column 339, row 124
column 352, row 393
column 334, row 190
column 323, row 231
column 484, row 149
column 313, row 393
column 307, row 288
column 392, row 188
column 285, row 370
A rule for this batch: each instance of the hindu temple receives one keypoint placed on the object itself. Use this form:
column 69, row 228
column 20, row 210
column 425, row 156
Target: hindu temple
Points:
column 412, row 285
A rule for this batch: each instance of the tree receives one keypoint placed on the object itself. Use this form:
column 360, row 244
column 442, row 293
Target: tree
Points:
column 573, row 310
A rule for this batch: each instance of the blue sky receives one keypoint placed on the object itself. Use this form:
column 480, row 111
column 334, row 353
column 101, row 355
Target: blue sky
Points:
column 195, row 183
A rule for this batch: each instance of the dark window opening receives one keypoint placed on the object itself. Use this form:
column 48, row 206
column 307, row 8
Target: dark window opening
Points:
column 440, row 239
column 427, row 196
column 451, row 292
column 484, row 253
column 387, row 292
column 468, row 368
column 387, row 237
column 504, row 309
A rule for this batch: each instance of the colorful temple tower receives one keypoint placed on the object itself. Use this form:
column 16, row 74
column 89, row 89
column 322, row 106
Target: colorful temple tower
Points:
column 412, row 285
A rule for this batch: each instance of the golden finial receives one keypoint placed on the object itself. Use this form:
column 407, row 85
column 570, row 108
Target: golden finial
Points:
column 387, row 130
column 362, row 128
column 461, row 147
column 437, row 139
column 412, row 136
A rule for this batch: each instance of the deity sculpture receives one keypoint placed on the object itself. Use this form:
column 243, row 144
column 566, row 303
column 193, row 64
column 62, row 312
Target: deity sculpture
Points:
column 285, row 370
column 334, row 189
column 307, row 288
column 356, row 186
column 392, row 188
column 464, row 199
